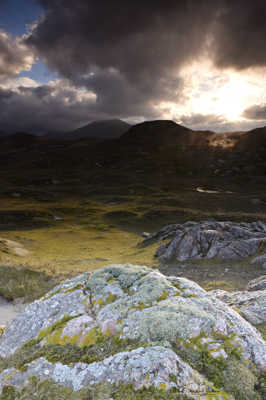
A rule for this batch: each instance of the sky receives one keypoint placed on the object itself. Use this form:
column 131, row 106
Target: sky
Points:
column 65, row 63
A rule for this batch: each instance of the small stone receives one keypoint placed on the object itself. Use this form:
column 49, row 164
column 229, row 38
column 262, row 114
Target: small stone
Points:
column 145, row 234
column 256, row 202
column 56, row 218
column 218, row 354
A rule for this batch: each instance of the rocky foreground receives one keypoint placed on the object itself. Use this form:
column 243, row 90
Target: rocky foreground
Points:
column 129, row 332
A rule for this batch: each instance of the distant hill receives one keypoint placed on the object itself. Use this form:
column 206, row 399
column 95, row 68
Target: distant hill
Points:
column 153, row 134
column 254, row 140
column 146, row 149
column 102, row 130
column 19, row 139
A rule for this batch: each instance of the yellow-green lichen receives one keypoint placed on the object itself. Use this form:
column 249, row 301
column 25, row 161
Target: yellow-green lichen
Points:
column 163, row 296
column 91, row 337
column 2, row 330
column 73, row 289
column 104, row 301
column 236, row 309
column 55, row 327
column 47, row 297
column 141, row 306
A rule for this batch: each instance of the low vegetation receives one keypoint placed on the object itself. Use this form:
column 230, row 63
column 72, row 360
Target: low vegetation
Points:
column 23, row 283
column 48, row 390
column 70, row 233
column 71, row 212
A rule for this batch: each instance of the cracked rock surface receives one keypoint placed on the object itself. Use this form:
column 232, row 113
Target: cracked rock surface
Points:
column 208, row 239
column 163, row 325
column 251, row 304
column 257, row 284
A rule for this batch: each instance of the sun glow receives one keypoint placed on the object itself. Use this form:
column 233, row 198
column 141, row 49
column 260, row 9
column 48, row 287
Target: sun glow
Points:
column 225, row 93
column 222, row 94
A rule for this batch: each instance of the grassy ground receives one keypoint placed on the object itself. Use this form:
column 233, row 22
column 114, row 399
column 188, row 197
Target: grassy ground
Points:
column 23, row 283
column 76, row 220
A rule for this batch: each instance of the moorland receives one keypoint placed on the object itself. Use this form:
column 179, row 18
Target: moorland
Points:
column 73, row 205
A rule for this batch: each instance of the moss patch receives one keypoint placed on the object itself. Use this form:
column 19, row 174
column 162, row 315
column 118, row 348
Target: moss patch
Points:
column 55, row 327
column 48, row 390
column 94, row 348
column 230, row 374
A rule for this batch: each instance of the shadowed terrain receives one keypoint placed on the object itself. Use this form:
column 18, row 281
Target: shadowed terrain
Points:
column 80, row 204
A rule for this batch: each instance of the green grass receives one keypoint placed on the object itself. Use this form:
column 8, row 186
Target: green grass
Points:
column 16, row 283
column 102, row 221
column 262, row 329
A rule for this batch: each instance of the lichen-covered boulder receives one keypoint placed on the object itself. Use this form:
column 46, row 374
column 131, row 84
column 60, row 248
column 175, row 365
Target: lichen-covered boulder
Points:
column 127, row 332
column 251, row 305
column 208, row 239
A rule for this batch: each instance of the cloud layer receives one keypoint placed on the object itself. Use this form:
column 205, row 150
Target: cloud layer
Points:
column 14, row 56
column 127, row 59
column 54, row 107
column 129, row 54
column 145, row 40
column 256, row 112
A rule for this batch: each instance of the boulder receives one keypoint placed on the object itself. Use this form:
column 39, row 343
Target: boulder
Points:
column 251, row 305
column 128, row 331
column 259, row 259
column 208, row 239
column 257, row 284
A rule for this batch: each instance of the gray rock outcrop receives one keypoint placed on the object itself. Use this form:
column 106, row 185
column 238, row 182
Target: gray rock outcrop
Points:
column 257, row 284
column 131, row 325
column 208, row 239
column 251, row 305
column 259, row 260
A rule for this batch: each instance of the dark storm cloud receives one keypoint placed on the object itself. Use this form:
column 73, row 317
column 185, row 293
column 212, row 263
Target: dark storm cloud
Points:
column 129, row 53
column 137, row 38
column 145, row 39
column 118, row 96
column 256, row 112
column 43, row 109
column 14, row 56
column 239, row 34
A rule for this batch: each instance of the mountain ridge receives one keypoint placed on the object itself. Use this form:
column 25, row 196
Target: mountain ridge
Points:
column 107, row 129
